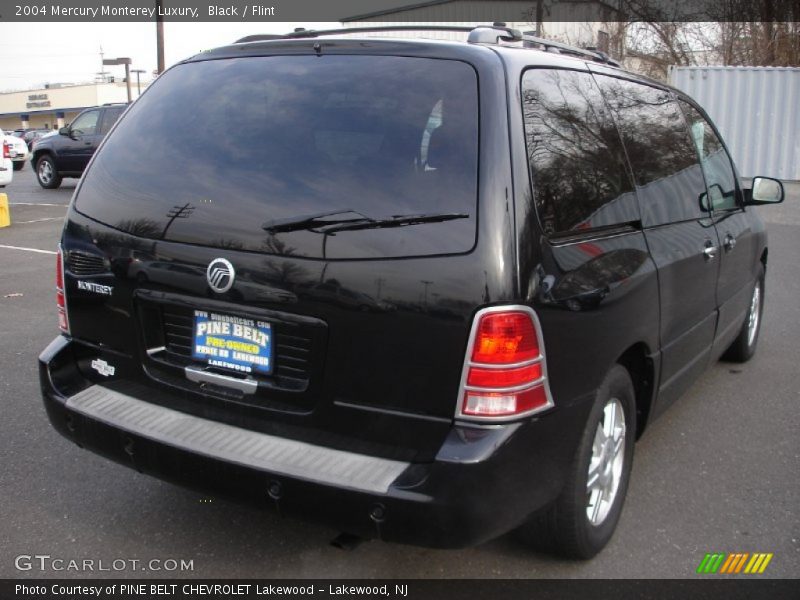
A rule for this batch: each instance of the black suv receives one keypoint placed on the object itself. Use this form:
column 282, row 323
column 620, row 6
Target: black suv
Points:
column 67, row 154
column 552, row 250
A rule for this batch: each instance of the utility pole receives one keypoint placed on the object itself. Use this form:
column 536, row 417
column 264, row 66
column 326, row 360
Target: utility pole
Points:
column 160, row 35
column 177, row 212
column 102, row 66
column 379, row 282
column 426, row 284
column 138, row 83
column 539, row 18
column 127, row 63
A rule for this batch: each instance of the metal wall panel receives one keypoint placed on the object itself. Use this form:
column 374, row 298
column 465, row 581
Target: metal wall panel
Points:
column 756, row 110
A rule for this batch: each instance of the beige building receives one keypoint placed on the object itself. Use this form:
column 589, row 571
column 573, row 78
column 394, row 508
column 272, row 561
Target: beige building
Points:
column 55, row 106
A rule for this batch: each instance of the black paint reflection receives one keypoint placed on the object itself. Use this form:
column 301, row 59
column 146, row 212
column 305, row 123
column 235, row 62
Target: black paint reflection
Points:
column 585, row 287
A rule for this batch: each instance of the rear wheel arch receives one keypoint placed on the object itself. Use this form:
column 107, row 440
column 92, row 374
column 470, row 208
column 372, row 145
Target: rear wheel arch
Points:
column 636, row 360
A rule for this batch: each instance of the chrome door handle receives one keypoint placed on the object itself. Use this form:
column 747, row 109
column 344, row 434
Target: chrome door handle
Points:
column 730, row 242
column 710, row 252
column 246, row 386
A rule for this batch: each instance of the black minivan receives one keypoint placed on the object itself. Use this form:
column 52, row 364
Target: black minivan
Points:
column 430, row 291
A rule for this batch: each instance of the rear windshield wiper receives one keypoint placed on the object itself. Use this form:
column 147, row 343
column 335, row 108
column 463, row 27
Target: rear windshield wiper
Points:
column 393, row 221
column 332, row 226
column 312, row 221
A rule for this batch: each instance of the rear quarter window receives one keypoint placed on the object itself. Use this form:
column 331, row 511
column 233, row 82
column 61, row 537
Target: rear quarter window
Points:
column 575, row 154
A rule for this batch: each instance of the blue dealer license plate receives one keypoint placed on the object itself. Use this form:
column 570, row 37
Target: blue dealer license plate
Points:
column 235, row 343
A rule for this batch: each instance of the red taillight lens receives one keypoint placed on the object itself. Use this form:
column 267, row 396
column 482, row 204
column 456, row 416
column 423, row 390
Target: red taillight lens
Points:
column 59, row 271
column 61, row 299
column 6, row 151
column 505, row 373
column 505, row 338
column 503, row 377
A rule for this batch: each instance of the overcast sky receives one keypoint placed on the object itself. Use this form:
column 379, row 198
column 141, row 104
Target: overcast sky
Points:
column 32, row 54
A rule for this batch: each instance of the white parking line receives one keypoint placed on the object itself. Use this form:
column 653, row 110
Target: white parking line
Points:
column 39, row 220
column 27, row 249
column 35, row 204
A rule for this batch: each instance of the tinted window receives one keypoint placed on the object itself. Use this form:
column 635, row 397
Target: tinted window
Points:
column 110, row 116
column 717, row 166
column 576, row 159
column 86, row 123
column 662, row 155
column 227, row 145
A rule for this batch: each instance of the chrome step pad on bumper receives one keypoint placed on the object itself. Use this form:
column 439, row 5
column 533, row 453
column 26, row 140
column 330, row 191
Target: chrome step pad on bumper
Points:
column 233, row 444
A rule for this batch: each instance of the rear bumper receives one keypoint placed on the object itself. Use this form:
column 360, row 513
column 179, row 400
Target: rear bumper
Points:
column 483, row 483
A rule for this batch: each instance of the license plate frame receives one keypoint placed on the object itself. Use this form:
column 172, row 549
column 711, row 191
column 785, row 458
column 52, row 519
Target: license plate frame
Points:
column 233, row 343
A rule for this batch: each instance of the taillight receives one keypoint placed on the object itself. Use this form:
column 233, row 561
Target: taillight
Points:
column 6, row 150
column 61, row 299
column 505, row 374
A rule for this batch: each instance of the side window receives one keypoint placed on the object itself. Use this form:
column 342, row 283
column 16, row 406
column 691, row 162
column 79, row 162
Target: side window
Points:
column 575, row 154
column 717, row 166
column 110, row 116
column 668, row 177
column 86, row 123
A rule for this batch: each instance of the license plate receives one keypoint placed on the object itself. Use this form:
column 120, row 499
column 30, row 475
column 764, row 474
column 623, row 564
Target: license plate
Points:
column 235, row 343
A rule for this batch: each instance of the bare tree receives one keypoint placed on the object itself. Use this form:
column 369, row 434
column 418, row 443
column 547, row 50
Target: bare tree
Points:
column 722, row 32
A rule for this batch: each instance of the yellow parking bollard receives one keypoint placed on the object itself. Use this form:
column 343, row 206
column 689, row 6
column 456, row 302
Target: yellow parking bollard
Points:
column 5, row 216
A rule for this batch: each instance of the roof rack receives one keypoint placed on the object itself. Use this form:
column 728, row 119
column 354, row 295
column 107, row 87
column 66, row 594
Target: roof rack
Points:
column 300, row 32
column 531, row 41
column 481, row 34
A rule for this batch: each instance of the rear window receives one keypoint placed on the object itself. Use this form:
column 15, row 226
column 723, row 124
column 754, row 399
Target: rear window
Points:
column 110, row 117
column 375, row 147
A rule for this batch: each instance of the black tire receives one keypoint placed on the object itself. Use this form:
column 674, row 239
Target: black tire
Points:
column 54, row 180
column 744, row 346
column 565, row 527
column 18, row 164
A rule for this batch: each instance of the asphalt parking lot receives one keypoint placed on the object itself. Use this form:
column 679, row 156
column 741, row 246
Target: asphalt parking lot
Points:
column 717, row 473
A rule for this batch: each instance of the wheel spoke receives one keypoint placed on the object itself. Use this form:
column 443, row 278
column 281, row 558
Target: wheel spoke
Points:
column 598, row 502
column 595, row 467
column 599, row 439
column 610, row 420
column 619, row 442
column 753, row 317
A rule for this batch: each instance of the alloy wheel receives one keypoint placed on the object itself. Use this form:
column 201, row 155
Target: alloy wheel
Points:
column 45, row 172
column 606, row 463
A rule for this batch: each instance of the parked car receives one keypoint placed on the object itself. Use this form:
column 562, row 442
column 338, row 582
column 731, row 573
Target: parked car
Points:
column 6, row 166
column 563, row 263
column 32, row 135
column 67, row 154
column 17, row 149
